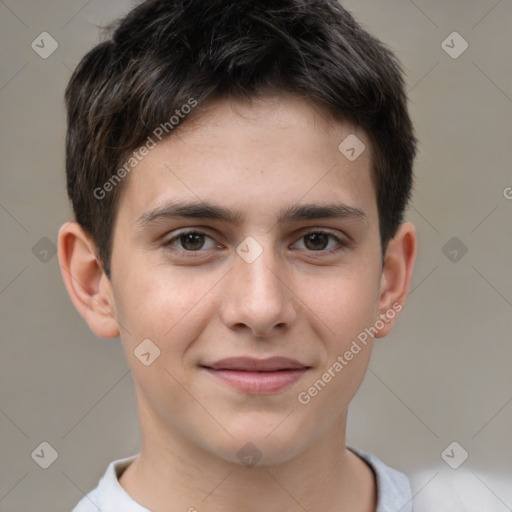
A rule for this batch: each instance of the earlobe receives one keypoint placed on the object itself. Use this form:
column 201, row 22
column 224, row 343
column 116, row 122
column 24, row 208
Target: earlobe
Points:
column 396, row 275
column 87, row 285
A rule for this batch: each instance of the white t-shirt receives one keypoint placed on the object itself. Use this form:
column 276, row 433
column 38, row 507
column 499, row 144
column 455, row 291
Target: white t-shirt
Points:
column 393, row 489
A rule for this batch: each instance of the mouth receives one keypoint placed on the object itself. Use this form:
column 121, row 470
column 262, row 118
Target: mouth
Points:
column 257, row 376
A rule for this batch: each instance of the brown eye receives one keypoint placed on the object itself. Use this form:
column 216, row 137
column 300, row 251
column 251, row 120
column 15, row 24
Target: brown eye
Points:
column 192, row 241
column 323, row 242
column 316, row 241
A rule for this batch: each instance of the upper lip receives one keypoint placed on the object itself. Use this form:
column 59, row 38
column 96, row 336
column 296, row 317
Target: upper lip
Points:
column 250, row 364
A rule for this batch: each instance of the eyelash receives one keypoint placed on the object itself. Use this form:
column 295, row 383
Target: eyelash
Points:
column 342, row 244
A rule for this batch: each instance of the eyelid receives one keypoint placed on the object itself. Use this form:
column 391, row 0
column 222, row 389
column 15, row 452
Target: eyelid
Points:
column 167, row 241
column 342, row 243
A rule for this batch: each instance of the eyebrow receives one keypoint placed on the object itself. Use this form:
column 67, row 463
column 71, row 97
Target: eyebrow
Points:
column 191, row 210
column 321, row 211
column 204, row 210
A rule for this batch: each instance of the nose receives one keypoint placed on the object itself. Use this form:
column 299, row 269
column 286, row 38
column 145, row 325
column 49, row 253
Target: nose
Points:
column 258, row 299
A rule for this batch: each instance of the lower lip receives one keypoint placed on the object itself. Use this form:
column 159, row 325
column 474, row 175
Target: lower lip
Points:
column 259, row 382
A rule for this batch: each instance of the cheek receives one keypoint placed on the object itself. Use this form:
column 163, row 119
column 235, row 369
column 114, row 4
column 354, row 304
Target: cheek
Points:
column 345, row 308
column 346, row 301
column 169, row 307
column 171, row 312
column 344, row 305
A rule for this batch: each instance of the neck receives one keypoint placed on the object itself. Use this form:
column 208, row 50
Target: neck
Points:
column 171, row 473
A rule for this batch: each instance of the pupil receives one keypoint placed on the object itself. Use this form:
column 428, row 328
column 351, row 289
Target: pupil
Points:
column 192, row 241
column 319, row 241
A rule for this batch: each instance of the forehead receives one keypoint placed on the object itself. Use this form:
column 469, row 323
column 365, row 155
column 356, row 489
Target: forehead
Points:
column 259, row 153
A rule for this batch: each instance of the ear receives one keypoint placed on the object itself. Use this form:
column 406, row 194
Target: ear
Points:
column 396, row 276
column 87, row 285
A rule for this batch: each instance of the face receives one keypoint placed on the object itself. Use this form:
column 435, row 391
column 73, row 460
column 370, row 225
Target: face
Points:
column 248, row 234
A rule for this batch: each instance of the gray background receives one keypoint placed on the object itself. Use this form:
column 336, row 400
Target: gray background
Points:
column 442, row 376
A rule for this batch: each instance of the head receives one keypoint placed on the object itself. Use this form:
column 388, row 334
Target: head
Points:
column 241, row 108
column 167, row 56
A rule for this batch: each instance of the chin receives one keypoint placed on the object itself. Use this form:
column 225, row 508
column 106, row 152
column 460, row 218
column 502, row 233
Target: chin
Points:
column 261, row 446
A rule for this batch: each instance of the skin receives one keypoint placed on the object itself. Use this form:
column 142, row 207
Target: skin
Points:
column 295, row 300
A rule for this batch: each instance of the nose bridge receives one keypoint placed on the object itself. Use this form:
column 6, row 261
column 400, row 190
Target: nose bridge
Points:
column 257, row 297
column 260, row 276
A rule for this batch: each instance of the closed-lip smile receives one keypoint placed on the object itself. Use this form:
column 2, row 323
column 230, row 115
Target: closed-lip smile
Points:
column 257, row 376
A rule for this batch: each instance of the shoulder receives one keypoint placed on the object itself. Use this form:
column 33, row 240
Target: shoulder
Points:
column 89, row 503
column 109, row 496
column 393, row 487
column 441, row 489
